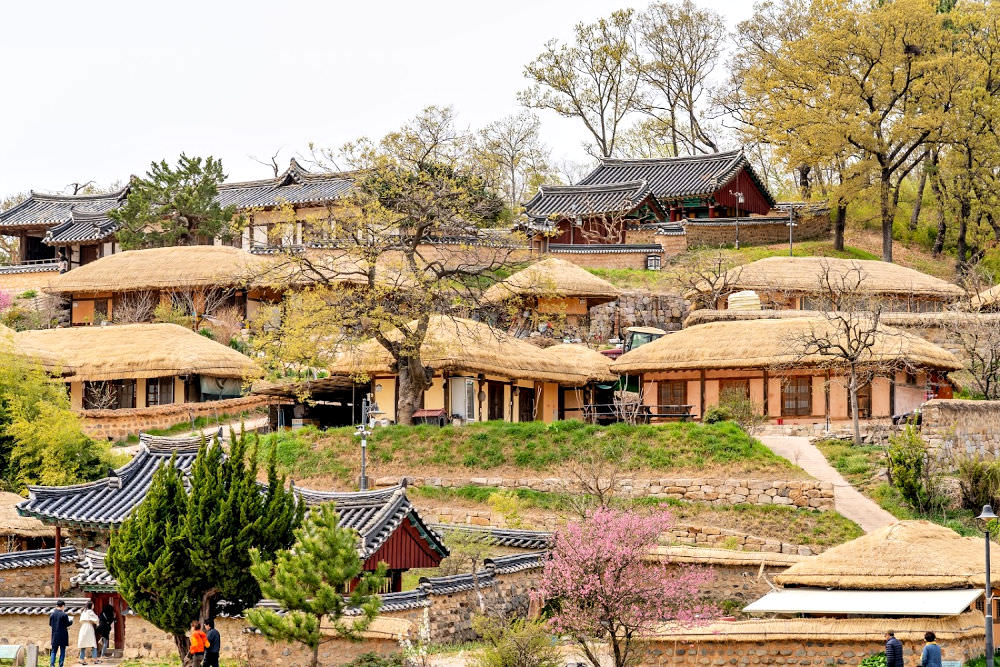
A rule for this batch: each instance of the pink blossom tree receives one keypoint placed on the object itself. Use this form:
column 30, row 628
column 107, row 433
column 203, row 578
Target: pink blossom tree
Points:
column 606, row 586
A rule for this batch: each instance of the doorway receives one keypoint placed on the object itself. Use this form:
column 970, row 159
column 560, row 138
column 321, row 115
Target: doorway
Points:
column 494, row 400
column 526, row 404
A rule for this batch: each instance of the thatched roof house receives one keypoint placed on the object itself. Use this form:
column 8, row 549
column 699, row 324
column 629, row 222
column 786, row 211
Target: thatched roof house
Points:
column 988, row 300
column 130, row 351
column 908, row 555
column 591, row 364
column 762, row 358
column 481, row 373
column 547, row 283
column 793, row 283
column 137, row 365
column 17, row 532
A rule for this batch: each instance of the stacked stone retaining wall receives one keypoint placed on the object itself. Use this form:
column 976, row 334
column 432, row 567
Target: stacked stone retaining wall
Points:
column 714, row 233
column 637, row 308
column 953, row 426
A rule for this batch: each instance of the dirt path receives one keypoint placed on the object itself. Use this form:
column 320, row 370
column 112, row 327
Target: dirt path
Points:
column 847, row 500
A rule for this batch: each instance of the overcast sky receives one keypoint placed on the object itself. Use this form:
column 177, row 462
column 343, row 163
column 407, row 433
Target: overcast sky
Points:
column 96, row 90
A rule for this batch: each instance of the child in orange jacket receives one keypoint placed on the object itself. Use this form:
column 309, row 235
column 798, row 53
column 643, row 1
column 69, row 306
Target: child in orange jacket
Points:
column 199, row 641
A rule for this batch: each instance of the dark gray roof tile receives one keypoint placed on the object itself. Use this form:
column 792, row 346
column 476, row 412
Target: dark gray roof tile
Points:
column 567, row 201
column 36, row 558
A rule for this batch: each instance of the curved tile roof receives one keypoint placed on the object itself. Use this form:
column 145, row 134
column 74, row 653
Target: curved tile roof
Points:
column 36, row 557
column 92, row 574
column 501, row 537
column 81, row 226
column 562, row 201
column 42, row 208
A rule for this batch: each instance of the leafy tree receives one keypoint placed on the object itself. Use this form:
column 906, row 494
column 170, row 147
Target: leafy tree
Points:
column 603, row 586
column 183, row 550
column 309, row 580
column 517, row 643
column 382, row 244
column 912, row 470
column 41, row 439
column 175, row 206
column 595, row 79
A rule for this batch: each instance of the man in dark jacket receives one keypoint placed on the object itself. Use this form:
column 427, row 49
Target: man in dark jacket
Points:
column 214, row 646
column 893, row 650
column 59, row 621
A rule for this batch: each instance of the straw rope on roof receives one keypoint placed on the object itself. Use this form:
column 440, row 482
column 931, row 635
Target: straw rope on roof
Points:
column 458, row 345
column 595, row 366
column 907, row 555
column 769, row 343
column 12, row 523
column 802, row 274
column 130, row 351
column 907, row 629
column 552, row 277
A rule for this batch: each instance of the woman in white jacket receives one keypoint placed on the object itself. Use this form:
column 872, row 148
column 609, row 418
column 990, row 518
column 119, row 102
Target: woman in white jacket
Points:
column 88, row 635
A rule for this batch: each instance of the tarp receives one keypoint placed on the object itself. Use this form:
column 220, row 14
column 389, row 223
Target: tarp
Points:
column 873, row 603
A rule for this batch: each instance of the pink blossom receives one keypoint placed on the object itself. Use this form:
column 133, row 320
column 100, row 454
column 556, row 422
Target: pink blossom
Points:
column 605, row 586
column 5, row 300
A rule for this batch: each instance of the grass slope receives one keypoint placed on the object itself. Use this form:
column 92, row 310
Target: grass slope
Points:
column 722, row 449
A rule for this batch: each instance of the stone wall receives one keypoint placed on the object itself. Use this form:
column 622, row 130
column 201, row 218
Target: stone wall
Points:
column 798, row 493
column 954, row 426
column 636, row 308
column 604, row 260
column 29, row 582
column 708, row 232
column 119, row 424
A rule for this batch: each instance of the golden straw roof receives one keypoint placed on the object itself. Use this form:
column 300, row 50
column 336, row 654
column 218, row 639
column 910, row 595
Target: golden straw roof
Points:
column 12, row 523
column 988, row 299
column 460, row 345
column 801, row 274
column 688, row 555
column 552, row 277
column 591, row 363
column 179, row 267
column 907, row 629
column 927, row 320
column 130, row 351
column 907, row 555
column 767, row 343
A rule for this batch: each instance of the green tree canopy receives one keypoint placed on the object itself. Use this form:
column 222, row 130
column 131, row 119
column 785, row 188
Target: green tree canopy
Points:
column 175, row 206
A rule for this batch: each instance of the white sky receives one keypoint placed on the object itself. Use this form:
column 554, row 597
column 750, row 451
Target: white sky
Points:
column 97, row 90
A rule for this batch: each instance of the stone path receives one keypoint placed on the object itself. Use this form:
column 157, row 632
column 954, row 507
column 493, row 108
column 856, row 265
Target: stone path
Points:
column 848, row 501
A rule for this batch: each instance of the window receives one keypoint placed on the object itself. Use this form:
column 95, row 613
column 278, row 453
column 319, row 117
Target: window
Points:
column 653, row 262
column 109, row 395
column 673, row 392
column 796, row 397
column 159, row 391
column 463, row 397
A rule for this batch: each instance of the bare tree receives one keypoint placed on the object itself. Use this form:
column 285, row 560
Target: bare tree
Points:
column 271, row 162
column 202, row 303
column 595, row 79
column 594, row 480
column 130, row 307
column 707, row 278
column 511, row 148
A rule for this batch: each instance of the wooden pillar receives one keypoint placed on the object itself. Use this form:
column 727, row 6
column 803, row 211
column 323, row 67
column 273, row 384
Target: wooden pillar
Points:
column 766, row 403
column 56, row 588
column 701, row 382
column 826, row 395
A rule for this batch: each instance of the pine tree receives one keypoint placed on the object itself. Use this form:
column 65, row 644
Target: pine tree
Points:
column 182, row 551
column 175, row 206
column 309, row 581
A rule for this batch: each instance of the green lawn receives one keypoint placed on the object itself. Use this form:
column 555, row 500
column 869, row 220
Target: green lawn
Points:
column 534, row 446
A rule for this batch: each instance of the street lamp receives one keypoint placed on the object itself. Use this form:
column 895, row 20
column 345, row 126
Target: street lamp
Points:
column 985, row 517
column 740, row 199
column 791, row 224
column 368, row 411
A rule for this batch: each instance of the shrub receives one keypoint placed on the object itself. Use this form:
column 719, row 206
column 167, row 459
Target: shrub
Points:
column 717, row 414
column 979, row 480
column 877, row 660
column 171, row 314
column 518, row 643
column 207, row 333
column 27, row 294
column 372, row 659
column 747, row 414
column 913, row 472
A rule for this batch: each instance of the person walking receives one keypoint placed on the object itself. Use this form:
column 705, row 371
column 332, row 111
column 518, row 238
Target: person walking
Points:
column 214, row 645
column 59, row 622
column 199, row 641
column 87, row 638
column 931, row 656
column 106, row 628
column 893, row 650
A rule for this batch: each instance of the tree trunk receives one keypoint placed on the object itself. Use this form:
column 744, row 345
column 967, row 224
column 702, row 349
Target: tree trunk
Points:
column 805, row 187
column 412, row 381
column 962, row 251
column 183, row 646
column 855, row 422
column 942, row 224
column 918, row 201
column 839, row 224
column 887, row 212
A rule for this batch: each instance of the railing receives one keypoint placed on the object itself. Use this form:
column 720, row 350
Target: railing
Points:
column 606, row 413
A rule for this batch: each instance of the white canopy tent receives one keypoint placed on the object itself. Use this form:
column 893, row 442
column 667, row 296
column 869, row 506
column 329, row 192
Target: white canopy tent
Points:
column 873, row 603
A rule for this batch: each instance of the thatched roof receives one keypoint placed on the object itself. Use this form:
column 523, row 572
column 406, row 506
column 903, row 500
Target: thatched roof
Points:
column 595, row 366
column 688, row 555
column 801, row 274
column 930, row 320
column 767, row 344
column 907, row 555
column 907, row 629
column 12, row 523
column 988, row 299
column 180, row 267
column 552, row 277
column 460, row 345
column 130, row 351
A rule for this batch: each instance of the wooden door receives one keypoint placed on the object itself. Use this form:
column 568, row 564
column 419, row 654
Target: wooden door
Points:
column 526, row 404
column 494, row 400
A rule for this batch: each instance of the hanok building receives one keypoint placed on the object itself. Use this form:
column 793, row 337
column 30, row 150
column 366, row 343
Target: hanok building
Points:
column 191, row 277
column 480, row 374
column 18, row 533
column 794, row 283
column 551, row 291
column 389, row 527
column 765, row 360
column 77, row 227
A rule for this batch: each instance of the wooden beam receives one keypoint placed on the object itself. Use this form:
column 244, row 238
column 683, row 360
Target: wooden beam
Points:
column 56, row 588
column 701, row 407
